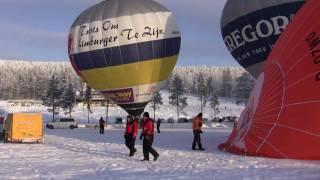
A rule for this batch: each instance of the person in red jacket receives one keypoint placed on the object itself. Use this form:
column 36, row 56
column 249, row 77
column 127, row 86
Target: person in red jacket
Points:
column 196, row 126
column 130, row 134
column 147, row 135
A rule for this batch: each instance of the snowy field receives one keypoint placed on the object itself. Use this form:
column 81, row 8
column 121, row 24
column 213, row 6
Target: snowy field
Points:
column 84, row 154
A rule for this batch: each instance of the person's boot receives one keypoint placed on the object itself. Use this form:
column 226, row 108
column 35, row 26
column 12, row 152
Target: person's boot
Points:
column 194, row 147
column 132, row 152
column 156, row 157
column 144, row 159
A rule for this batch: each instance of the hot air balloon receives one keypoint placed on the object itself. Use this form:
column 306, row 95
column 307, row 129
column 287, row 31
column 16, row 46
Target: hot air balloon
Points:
column 125, row 49
column 281, row 119
column 250, row 28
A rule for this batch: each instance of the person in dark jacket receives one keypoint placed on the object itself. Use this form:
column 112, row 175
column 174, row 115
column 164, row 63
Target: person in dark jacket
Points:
column 101, row 123
column 196, row 126
column 147, row 135
column 130, row 134
column 158, row 125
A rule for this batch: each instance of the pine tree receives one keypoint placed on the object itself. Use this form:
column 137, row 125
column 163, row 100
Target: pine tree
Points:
column 210, row 85
column 214, row 102
column 155, row 103
column 244, row 86
column 177, row 94
column 52, row 96
column 201, row 91
column 226, row 83
column 68, row 99
column 88, row 99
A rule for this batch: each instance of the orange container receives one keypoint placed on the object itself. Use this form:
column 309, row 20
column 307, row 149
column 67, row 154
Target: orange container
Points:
column 24, row 127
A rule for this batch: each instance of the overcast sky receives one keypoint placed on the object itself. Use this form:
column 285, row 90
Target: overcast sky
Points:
column 38, row 29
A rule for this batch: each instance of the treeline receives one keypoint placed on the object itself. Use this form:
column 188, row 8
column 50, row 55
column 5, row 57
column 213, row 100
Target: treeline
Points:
column 30, row 80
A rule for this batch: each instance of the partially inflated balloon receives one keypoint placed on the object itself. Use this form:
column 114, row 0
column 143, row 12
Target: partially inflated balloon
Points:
column 251, row 27
column 125, row 49
column 282, row 116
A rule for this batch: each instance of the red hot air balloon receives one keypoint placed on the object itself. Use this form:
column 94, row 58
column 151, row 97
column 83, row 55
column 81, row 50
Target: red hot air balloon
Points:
column 282, row 118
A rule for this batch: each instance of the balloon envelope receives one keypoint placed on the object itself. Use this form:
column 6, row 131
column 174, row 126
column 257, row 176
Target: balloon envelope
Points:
column 126, row 49
column 251, row 27
column 281, row 119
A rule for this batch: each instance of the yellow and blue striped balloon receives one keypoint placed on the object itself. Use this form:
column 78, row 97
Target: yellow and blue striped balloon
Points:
column 125, row 49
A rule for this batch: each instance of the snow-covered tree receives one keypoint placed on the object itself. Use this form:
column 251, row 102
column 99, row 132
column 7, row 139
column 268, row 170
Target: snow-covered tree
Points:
column 28, row 80
column 226, row 88
column 87, row 100
column 177, row 94
column 52, row 96
column 209, row 85
column 243, row 88
column 201, row 91
column 68, row 99
column 155, row 103
column 214, row 102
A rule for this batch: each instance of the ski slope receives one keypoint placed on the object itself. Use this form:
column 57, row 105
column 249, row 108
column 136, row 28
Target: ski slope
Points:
column 84, row 154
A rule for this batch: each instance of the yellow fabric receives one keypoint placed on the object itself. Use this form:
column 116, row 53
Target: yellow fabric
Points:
column 128, row 75
column 21, row 126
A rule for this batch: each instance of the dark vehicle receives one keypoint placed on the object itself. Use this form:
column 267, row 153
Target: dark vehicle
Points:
column 215, row 119
column 205, row 120
column 161, row 120
column 183, row 120
column 170, row 120
column 119, row 120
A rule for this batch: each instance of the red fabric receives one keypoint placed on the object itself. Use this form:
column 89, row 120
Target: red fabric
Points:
column 197, row 123
column 147, row 127
column 135, row 128
column 281, row 119
column 129, row 128
column 132, row 128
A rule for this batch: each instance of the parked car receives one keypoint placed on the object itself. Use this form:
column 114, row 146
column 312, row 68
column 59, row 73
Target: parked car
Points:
column 205, row 120
column 170, row 120
column 119, row 120
column 183, row 120
column 161, row 120
column 63, row 123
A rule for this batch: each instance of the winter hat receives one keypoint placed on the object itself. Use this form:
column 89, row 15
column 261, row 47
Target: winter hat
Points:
column 146, row 114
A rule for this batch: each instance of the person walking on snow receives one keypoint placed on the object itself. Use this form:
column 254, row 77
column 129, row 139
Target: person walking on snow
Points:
column 147, row 135
column 130, row 134
column 158, row 125
column 196, row 126
column 101, row 123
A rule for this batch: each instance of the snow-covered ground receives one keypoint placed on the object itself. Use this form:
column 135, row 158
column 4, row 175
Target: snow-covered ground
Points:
column 84, row 154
